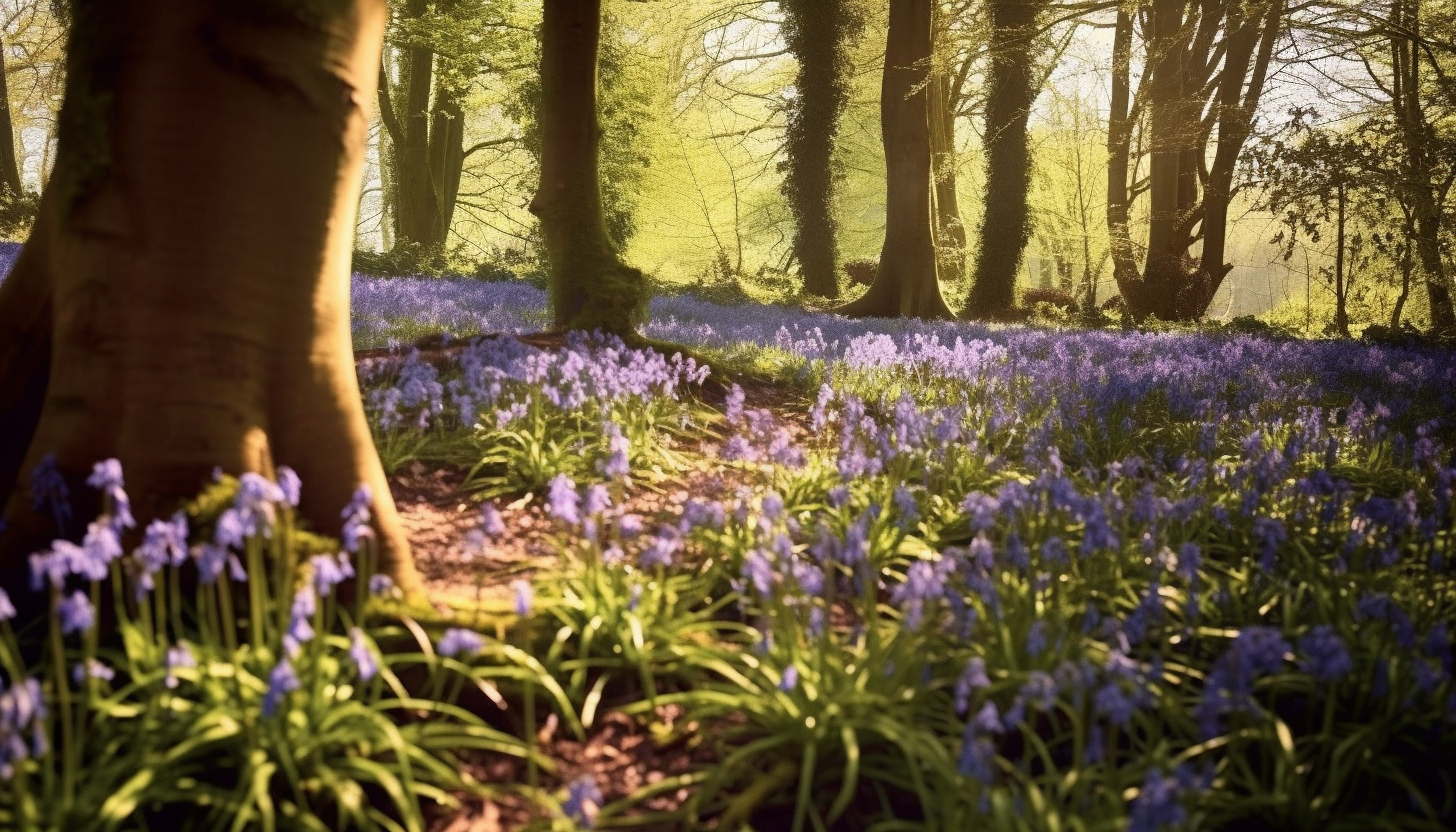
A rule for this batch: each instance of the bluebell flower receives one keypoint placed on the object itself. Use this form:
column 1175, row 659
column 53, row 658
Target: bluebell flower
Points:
column 380, row 584
column 101, row 546
column 733, row 405
column 838, row 496
column 1054, row 551
column 772, row 505
column 597, row 499
column 661, row 549
column 255, row 504
column 1112, row 702
column 758, row 571
column 981, row 509
column 563, row 503
column 490, row 521
column 1039, row 690
column 329, row 572
column 583, row 802
column 521, row 588
column 282, row 681
column 1095, row 750
column 48, row 488
column 290, row 484
column 1158, row 805
column 988, row 720
column 1324, row 655
column 7, row 609
column 178, row 656
column 364, row 661
column 91, row 669
column 1036, row 639
column 164, row 543
column 356, row 517
column 977, row 758
column 77, row 614
column 617, row 464
column 972, row 679
column 790, row 679
column 456, row 642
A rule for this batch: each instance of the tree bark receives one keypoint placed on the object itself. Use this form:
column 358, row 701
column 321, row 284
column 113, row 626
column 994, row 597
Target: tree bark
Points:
column 1235, row 113
column 196, row 240
column 1119, row 152
column 907, row 282
column 9, row 164
column 1006, row 223
column 591, row 288
column 818, row 33
column 1411, row 121
column 950, row 230
column 1163, row 272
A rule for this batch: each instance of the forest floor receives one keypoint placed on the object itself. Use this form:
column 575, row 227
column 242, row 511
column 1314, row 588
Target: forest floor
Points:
column 437, row 511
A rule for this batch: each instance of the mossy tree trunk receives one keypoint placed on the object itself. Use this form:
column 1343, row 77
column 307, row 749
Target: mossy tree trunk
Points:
column 193, row 248
column 591, row 288
column 819, row 33
column 1006, row 223
column 425, row 125
column 950, row 231
column 907, row 282
column 1165, row 269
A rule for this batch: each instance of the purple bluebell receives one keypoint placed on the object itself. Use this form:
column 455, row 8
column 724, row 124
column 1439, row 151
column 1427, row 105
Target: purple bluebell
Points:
column 290, row 485
column 978, row 757
column 282, row 680
column 380, row 584
column 790, row 678
column 77, row 614
column 563, row 501
column 329, row 572
column 178, row 656
column 364, row 661
column 583, row 802
column 490, row 521
column 48, row 489
column 1039, row 690
column 661, row 548
column 456, row 642
column 521, row 589
column 1158, row 805
column 1323, row 654
column 7, row 609
column 91, row 669
column 1036, row 639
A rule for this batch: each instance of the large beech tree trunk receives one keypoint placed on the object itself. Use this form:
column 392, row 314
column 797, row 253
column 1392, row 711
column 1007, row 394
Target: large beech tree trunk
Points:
column 591, row 288
column 194, row 248
column 819, row 33
column 1171, row 135
column 1006, row 222
column 907, row 282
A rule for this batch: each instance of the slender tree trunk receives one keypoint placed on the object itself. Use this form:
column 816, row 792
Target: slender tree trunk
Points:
column 818, row 33
column 1006, row 222
column 950, row 231
column 906, row 283
column 1236, row 104
column 1415, row 131
column 447, row 161
column 591, row 288
column 195, row 241
column 1342, row 315
column 9, row 164
column 417, row 207
column 1119, row 151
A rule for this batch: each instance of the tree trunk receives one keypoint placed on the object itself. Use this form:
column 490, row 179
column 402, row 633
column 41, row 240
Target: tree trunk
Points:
column 1119, row 152
column 9, row 164
column 195, row 241
column 950, row 231
column 1006, row 222
column 1342, row 293
column 1415, row 132
column 417, row 213
column 1163, row 271
column 1235, row 112
column 906, row 283
column 818, row 33
column 447, row 162
column 591, row 288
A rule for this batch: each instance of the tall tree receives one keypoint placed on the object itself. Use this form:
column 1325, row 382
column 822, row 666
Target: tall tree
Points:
column 591, row 288
column 425, row 125
column 9, row 165
column 1122, row 115
column 907, row 283
column 1006, row 223
column 183, row 301
column 819, row 33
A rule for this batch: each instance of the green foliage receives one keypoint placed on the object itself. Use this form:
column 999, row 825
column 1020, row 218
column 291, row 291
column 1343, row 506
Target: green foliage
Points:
column 233, row 705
